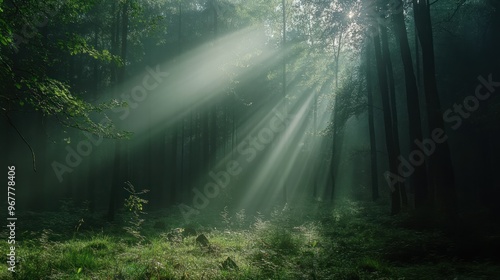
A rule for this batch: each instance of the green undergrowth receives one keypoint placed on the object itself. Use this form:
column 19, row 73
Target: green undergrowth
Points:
column 314, row 241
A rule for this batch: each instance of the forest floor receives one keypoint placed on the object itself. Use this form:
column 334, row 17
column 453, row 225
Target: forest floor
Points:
column 316, row 241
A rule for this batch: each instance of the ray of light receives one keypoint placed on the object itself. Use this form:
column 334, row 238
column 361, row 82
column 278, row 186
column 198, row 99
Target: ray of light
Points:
column 281, row 157
column 191, row 80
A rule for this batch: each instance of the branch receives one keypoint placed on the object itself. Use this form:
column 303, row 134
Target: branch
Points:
column 454, row 12
column 22, row 137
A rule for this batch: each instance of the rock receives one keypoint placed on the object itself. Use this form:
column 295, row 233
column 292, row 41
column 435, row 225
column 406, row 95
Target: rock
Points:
column 229, row 264
column 203, row 240
column 189, row 231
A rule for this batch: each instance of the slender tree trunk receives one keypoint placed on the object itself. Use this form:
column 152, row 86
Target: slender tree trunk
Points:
column 334, row 163
column 181, row 171
column 175, row 169
column 386, row 56
column 173, row 165
column 125, row 11
column 283, row 3
column 94, row 181
column 206, row 141
column 418, row 181
column 233, row 131
column 96, row 63
column 440, row 162
column 337, row 61
column 391, row 151
column 371, row 128
column 192, row 134
column 417, row 53
column 120, row 168
column 213, row 113
column 315, row 161
column 213, row 136
column 115, row 34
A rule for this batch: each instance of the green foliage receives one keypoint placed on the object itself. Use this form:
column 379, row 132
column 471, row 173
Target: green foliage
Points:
column 135, row 204
column 351, row 98
column 78, row 45
column 349, row 241
column 37, row 39
column 226, row 217
column 283, row 241
column 241, row 218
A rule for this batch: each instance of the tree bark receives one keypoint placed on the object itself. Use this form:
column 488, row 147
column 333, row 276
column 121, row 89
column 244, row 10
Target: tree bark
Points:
column 389, row 137
column 440, row 164
column 386, row 57
column 120, row 168
column 418, row 181
column 371, row 128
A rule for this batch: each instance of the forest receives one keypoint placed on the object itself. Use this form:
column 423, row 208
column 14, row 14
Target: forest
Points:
column 259, row 139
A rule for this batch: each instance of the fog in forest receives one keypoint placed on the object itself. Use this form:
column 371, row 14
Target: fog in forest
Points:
column 228, row 139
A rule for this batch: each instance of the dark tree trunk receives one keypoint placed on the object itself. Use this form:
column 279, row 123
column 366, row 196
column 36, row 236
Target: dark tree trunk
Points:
column 206, row 142
column 115, row 35
column 335, row 143
column 418, row 181
column 283, row 3
column 173, row 163
column 213, row 109
column 440, row 163
column 386, row 56
column 315, row 161
column 93, row 178
column 213, row 136
column 120, row 168
column 391, row 151
column 125, row 11
column 371, row 127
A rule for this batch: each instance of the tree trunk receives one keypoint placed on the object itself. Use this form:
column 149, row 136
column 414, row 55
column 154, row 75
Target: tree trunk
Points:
column 418, row 181
column 389, row 137
column 283, row 3
column 371, row 127
column 213, row 113
column 120, row 169
column 213, row 136
column 334, row 163
column 173, row 164
column 206, row 141
column 440, row 164
column 115, row 34
column 386, row 56
column 315, row 161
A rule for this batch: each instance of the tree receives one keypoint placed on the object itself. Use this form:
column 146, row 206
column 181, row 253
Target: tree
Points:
column 120, row 163
column 418, row 181
column 386, row 57
column 371, row 126
column 389, row 136
column 440, row 165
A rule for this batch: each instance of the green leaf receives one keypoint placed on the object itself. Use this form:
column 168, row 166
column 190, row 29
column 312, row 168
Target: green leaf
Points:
column 79, row 270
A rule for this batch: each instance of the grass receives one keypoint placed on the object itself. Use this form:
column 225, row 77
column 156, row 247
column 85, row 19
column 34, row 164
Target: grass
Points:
column 350, row 241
